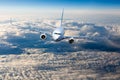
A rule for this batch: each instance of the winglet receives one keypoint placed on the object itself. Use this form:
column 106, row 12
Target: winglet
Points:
column 11, row 21
column 62, row 17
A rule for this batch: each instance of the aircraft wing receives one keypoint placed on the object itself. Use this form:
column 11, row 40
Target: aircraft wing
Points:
column 85, row 37
column 50, row 25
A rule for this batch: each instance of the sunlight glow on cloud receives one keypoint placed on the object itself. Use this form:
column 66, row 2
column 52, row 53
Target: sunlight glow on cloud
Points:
column 55, row 13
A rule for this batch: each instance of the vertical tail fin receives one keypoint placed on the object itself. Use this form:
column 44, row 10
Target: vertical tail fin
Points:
column 62, row 18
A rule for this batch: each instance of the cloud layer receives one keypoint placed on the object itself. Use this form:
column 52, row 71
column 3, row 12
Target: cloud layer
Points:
column 23, row 36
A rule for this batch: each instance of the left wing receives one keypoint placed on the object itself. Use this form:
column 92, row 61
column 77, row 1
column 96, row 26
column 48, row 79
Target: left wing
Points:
column 71, row 38
column 85, row 37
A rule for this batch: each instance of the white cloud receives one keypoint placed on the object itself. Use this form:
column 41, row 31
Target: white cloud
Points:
column 22, row 31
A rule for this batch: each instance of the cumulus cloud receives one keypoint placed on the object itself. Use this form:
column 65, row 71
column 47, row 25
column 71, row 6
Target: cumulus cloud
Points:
column 23, row 36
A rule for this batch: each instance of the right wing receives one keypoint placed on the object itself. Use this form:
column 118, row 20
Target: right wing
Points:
column 50, row 25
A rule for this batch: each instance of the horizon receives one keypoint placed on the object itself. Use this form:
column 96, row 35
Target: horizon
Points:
column 53, row 8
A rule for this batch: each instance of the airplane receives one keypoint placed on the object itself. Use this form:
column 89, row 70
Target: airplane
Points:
column 58, row 33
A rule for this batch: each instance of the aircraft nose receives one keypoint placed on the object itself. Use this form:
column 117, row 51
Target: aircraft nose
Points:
column 56, row 37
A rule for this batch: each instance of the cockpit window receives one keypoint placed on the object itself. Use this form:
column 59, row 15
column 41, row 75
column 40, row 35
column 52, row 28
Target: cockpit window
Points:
column 58, row 33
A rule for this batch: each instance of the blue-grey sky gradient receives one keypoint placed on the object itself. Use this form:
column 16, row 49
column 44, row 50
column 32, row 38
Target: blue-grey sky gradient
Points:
column 45, row 6
column 61, row 3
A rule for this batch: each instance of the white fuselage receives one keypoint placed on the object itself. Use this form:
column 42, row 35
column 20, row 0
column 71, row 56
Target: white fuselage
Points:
column 58, row 34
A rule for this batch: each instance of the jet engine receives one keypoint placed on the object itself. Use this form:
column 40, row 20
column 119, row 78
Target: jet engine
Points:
column 71, row 40
column 43, row 36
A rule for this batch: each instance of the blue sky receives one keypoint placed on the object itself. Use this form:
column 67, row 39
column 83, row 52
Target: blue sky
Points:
column 61, row 3
column 40, row 6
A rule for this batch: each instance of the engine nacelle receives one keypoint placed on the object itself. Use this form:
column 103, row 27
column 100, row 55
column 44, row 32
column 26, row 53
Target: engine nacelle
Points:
column 43, row 36
column 71, row 40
